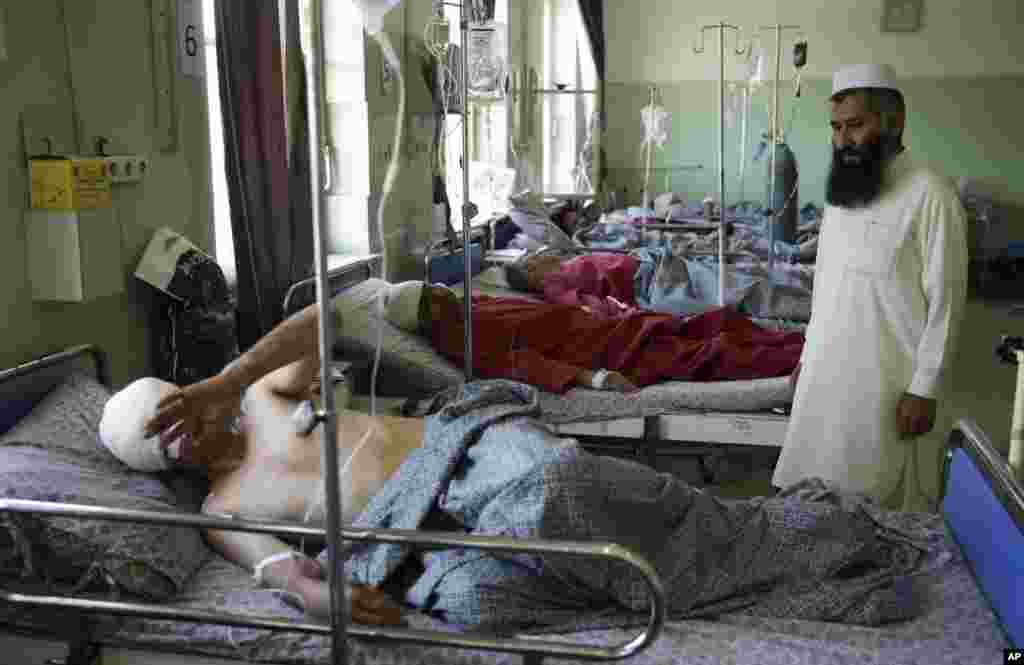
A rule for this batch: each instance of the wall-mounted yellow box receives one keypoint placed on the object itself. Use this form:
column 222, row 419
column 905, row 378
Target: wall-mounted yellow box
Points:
column 69, row 183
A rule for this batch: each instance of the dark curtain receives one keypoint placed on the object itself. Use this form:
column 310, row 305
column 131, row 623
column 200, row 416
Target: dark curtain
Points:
column 592, row 12
column 270, row 194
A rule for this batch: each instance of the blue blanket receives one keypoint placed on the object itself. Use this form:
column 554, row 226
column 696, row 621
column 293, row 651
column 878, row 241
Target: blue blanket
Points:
column 489, row 467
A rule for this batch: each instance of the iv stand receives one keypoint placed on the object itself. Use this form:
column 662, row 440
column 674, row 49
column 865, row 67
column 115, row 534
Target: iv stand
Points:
column 468, row 209
column 721, row 27
column 775, row 137
column 326, row 414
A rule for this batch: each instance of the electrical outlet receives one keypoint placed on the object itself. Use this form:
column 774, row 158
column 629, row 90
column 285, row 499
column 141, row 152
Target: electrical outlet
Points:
column 127, row 168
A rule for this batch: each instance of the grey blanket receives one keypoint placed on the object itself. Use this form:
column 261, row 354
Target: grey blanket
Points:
column 488, row 467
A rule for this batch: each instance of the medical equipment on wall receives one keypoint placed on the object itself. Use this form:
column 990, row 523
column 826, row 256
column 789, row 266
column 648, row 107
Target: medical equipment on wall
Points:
column 781, row 208
column 721, row 28
column 655, row 121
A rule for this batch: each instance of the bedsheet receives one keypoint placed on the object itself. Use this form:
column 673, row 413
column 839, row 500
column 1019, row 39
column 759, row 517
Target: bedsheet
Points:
column 667, row 280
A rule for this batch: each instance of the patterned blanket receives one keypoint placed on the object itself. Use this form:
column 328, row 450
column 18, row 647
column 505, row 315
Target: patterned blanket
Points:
column 488, row 467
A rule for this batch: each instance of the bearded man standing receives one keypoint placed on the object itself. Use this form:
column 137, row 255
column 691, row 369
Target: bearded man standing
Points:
column 889, row 295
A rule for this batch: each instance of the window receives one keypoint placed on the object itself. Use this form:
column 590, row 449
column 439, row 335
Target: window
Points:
column 568, row 66
column 346, row 206
column 347, row 209
column 488, row 135
column 223, row 242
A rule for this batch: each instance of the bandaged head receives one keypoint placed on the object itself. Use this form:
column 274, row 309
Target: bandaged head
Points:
column 122, row 427
column 402, row 305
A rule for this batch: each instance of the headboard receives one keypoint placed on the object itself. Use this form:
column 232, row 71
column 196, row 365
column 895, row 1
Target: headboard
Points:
column 983, row 505
column 22, row 386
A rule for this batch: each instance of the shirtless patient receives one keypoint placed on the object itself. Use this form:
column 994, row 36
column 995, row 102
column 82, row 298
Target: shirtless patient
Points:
column 268, row 470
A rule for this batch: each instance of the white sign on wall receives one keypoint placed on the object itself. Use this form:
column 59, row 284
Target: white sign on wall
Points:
column 190, row 37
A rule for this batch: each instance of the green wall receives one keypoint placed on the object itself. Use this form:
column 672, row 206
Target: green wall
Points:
column 110, row 51
column 961, row 126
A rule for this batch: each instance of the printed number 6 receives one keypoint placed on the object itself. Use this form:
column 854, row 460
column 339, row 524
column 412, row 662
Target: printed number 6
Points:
column 191, row 45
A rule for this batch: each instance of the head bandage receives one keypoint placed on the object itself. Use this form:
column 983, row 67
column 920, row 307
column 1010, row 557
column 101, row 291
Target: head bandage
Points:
column 122, row 427
column 402, row 305
column 855, row 77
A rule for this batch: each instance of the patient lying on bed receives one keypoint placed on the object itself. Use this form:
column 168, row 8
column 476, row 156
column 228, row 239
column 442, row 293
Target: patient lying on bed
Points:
column 504, row 473
column 556, row 346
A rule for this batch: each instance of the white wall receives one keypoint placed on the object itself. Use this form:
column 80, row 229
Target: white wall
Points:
column 651, row 40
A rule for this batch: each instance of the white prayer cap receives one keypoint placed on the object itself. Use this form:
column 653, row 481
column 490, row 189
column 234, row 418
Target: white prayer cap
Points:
column 123, row 425
column 402, row 305
column 853, row 77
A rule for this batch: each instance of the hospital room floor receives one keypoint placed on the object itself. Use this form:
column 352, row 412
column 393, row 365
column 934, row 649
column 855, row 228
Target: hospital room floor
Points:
column 983, row 385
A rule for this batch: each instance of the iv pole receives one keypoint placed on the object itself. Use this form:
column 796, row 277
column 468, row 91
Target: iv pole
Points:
column 468, row 209
column 721, row 27
column 321, row 184
column 775, row 138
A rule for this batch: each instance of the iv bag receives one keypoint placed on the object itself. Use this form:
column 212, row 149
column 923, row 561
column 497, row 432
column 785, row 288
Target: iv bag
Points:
column 487, row 60
column 755, row 65
column 655, row 120
column 373, row 13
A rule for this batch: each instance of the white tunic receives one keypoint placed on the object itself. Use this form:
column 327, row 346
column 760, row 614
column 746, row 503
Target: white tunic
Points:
column 889, row 292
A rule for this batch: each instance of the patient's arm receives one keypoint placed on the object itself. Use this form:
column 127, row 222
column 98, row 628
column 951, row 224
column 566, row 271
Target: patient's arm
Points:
column 300, row 575
column 198, row 410
column 292, row 347
column 293, row 381
column 551, row 375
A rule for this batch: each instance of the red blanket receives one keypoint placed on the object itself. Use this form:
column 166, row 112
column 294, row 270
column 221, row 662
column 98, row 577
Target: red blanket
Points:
column 547, row 344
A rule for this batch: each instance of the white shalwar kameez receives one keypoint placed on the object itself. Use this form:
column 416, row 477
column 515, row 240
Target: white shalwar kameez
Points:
column 889, row 292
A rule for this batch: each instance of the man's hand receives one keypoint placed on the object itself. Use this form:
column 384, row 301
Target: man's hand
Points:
column 915, row 415
column 196, row 414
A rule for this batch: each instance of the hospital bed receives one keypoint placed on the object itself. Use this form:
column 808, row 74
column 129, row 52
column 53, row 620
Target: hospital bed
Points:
column 970, row 610
column 84, row 539
column 657, row 420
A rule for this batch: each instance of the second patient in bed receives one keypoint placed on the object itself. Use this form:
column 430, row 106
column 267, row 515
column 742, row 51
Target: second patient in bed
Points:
column 556, row 346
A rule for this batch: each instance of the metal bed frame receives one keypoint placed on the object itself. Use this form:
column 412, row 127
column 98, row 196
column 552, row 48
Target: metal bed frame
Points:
column 82, row 652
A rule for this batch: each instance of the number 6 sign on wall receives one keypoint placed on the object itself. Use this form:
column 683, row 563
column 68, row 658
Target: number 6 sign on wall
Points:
column 190, row 37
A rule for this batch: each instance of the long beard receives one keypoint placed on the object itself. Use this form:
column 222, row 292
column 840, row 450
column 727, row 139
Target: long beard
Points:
column 855, row 177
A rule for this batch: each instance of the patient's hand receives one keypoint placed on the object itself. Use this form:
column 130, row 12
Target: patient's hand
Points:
column 618, row 382
column 368, row 605
column 199, row 411
column 308, row 580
